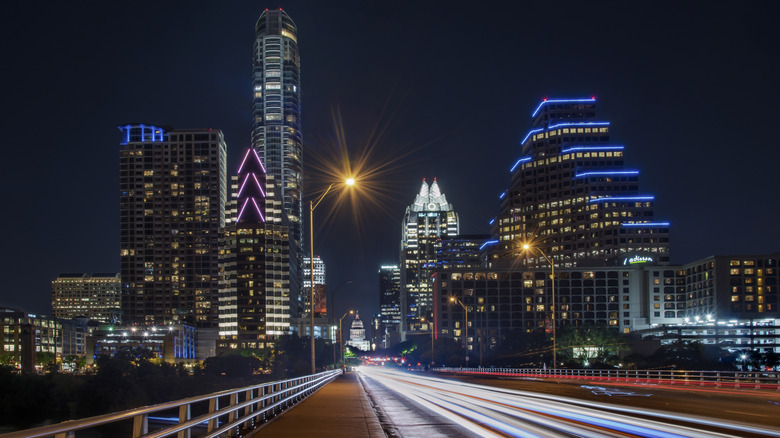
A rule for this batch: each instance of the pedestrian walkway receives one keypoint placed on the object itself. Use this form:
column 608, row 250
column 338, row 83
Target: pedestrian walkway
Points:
column 340, row 409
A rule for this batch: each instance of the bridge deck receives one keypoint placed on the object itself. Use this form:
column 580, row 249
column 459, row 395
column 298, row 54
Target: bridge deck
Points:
column 340, row 409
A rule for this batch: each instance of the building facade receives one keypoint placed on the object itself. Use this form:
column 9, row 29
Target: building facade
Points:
column 276, row 111
column 390, row 298
column 320, row 287
column 171, row 343
column 426, row 222
column 96, row 297
column 571, row 196
column 461, row 251
column 254, row 262
column 25, row 334
column 173, row 188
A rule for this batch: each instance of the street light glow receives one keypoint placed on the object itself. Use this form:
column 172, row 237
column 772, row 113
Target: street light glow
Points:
column 350, row 181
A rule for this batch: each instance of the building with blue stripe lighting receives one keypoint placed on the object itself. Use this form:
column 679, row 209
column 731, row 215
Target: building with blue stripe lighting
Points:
column 571, row 196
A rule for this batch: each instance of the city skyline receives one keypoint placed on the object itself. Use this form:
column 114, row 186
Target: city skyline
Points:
column 677, row 86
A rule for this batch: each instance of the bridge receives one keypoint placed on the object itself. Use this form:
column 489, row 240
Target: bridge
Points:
column 378, row 402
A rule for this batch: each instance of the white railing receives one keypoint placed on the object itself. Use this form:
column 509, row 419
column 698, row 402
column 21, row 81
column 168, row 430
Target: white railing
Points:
column 733, row 379
column 244, row 408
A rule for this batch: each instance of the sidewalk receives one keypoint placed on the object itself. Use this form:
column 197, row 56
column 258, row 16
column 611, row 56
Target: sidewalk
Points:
column 340, row 409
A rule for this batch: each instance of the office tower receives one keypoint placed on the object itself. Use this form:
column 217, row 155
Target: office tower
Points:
column 320, row 296
column 254, row 262
column 571, row 196
column 428, row 220
column 461, row 251
column 173, row 187
column 94, row 296
column 276, row 107
column 390, row 298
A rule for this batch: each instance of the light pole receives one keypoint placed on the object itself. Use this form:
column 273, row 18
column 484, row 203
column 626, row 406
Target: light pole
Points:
column 333, row 314
column 430, row 323
column 466, row 312
column 312, row 205
column 341, row 343
column 527, row 247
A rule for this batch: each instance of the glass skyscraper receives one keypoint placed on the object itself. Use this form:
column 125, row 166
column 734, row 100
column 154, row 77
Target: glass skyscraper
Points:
column 426, row 222
column 276, row 110
column 571, row 196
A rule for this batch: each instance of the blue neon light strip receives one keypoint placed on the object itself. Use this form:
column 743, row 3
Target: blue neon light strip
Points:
column 609, row 172
column 489, row 242
column 522, row 160
column 592, row 148
column 622, row 198
column 648, row 224
column 492, row 220
column 501, row 196
column 538, row 108
column 582, row 124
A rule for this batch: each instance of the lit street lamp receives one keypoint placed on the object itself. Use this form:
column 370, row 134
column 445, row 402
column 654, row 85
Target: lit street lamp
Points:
column 466, row 312
column 312, row 205
column 341, row 343
column 527, row 247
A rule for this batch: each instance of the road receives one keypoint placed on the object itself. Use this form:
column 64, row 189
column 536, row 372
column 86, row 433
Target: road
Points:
column 419, row 404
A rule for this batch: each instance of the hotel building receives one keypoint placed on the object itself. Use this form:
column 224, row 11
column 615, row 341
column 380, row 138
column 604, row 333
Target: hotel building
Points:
column 571, row 196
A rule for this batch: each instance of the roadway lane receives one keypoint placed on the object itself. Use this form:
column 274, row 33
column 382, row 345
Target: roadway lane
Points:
column 496, row 411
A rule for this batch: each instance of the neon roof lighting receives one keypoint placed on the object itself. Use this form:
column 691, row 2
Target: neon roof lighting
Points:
column 592, row 148
column 622, row 198
column 544, row 101
column 608, row 172
column 521, row 160
column 534, row 131
column 648, row 224
column 489, row 242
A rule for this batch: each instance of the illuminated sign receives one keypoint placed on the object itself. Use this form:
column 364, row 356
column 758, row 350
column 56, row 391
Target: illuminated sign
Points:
column 637, row 259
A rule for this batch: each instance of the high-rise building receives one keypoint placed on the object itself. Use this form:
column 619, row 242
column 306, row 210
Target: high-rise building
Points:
column 276, row 110
column 320, row 297
column 173, row 187
column 571, row 195
column 96, row 297
column 390, row 297
column 461, row 251
column 426, row 222
column 254, row 262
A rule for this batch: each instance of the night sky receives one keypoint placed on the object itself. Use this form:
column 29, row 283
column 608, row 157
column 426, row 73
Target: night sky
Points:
column 691, row 91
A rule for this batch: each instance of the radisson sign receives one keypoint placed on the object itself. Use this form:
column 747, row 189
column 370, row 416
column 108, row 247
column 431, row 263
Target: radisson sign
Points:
column 637, row 260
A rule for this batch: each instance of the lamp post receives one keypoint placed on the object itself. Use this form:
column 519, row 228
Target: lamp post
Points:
column 466, row 312
column 341, row 343
column 430, row 323
column 333, row 314
column 312, row 205
column 527, row 247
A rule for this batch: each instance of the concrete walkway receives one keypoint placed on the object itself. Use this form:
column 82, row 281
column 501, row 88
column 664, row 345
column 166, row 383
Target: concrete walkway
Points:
column 339, row 409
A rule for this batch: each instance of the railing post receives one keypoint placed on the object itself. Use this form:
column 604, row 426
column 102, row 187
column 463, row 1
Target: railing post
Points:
column 233, row 414
column 140, row 425
column 69, row 434
column 248, row 395
column 184, row 415
column 213, row 407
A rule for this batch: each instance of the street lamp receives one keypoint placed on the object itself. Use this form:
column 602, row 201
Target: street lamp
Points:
column 341, row 343
column 466, row 312
column 527, row 247
column 333, row 313
column 430, row 323
column 312, row 205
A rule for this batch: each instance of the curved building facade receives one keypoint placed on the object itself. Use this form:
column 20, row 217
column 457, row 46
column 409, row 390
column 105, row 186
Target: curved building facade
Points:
column 276, row 109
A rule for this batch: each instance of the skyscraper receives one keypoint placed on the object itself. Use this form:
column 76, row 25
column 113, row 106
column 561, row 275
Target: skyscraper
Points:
column 276, row 110
column 254, row 262
column 571, row 195
column 173, row 187
column 320, row 298
column 428, row 220
column 390, row 297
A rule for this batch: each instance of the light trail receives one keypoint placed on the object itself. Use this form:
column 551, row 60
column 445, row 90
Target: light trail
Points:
column 494, row 411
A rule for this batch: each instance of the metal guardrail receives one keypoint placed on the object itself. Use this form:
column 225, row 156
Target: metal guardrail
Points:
column 733, row 379
column 245, row 408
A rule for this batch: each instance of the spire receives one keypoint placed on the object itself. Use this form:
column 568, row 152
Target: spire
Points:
column 435, row 191
column 424, row 188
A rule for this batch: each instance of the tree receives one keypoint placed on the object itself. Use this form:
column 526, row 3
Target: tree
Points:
column 590, row 345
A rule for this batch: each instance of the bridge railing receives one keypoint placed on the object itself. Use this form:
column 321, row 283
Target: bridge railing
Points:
column 732, row 379
column 221, row 413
